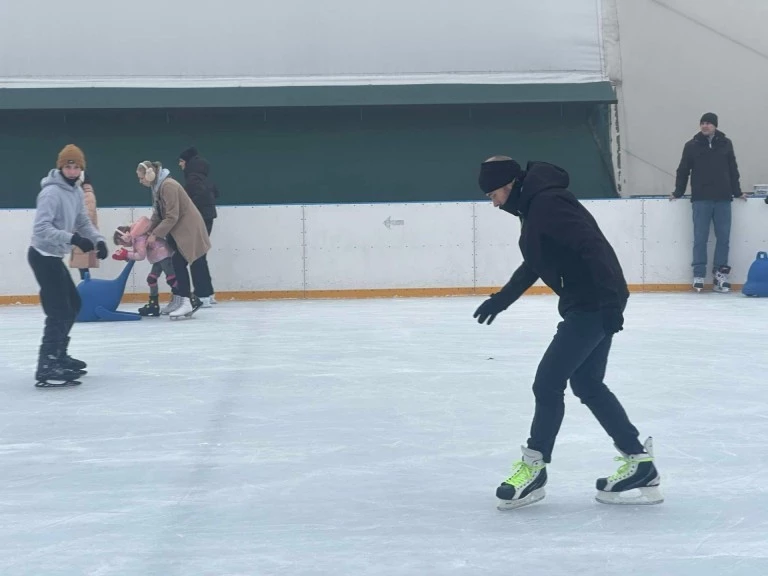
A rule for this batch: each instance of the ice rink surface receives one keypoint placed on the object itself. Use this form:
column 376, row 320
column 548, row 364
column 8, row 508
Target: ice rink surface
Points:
column 368, row 437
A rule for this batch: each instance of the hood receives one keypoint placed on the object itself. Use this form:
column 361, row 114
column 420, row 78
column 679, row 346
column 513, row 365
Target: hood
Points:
column 140, row 227
column 55, row 178
column 164, row 173
column 197, row 165
column 540, row 176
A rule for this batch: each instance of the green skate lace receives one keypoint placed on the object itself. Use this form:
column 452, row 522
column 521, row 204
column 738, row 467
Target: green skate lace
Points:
column 624, row 468
column 521, row 473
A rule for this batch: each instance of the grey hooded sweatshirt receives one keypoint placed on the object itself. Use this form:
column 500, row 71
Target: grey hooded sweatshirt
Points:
column 60, row 213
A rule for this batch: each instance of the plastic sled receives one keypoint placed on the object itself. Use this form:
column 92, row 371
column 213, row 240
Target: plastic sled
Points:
column 757, row 277
column 100, row 298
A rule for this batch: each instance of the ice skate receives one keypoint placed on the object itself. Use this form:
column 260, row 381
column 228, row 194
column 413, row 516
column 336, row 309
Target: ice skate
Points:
column 636, row 482
column 151, row 308
column 698, row 284
column 186, row 310
column 69, row 363
column 172, row 305
column 205, row 302
column 721, row 283
column 526, row 484
column 212, row 299
column 50, row 373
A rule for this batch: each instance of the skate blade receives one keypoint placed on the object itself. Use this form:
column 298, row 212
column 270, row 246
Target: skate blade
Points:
column 637, row 497
column 532, row 498
column 59, row 384
column 183, row 316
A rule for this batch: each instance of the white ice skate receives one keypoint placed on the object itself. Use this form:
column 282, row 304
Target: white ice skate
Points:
column 698, row 284
column 526, row 484
column 636, row 481
column 212, row 299
column 172, row 305
column 185, row 310
column 721, row 283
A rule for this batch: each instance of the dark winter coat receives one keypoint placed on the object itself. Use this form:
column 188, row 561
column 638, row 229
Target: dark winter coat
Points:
column 562, row 244
column 200, row 188
column 712, row 166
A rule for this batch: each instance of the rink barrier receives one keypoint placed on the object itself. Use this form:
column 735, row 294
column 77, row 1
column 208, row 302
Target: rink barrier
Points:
column 399, row 250
column 362, row 294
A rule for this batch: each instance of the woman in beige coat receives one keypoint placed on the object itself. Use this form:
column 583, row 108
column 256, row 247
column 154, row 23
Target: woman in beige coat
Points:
column 79, row 259
column 176, row 219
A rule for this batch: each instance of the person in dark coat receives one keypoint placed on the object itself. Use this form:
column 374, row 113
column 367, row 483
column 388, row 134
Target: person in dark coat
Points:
column 203, row 193
column 563, row 246
column 708, row 158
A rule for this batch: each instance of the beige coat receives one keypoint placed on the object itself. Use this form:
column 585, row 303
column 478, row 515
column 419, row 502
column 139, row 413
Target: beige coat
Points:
column 78, row 258
column 174, row 214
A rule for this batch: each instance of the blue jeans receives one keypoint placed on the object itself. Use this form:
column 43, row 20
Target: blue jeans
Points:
column 704, row 213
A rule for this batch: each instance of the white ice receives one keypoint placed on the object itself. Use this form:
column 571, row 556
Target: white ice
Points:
column 368, row 437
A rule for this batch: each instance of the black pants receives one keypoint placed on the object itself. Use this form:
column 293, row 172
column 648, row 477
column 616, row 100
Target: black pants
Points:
column 579, row 352
column 180, row 266
column 58, row 295
column 201, row 275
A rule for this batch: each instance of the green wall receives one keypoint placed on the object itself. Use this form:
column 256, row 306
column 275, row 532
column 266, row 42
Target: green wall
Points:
column 321, row 154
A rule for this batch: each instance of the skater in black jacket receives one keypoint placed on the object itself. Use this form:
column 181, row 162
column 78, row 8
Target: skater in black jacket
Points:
column 203, row 193
column 562, row 245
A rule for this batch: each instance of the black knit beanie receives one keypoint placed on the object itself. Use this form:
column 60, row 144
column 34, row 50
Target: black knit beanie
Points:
column 710, row 117
column 188, row 154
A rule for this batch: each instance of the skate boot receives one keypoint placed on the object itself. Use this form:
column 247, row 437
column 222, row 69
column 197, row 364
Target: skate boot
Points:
column 698, row 284
column 526, row 484
column 212, row 299
column 721, row 283
column 172, row 305
column 636, row 481
column 50, row 373
column 151, row 308
column 185, row 310
column 69, row 363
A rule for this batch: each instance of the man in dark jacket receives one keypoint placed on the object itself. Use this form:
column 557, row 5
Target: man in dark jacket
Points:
column 562, row 244
column 203, row 193
column 711, row 163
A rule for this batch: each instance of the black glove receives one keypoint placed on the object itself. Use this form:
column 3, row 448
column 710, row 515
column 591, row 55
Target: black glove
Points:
column 83, row 243
column 101, row 250
column 489, row 309
column 613, row 320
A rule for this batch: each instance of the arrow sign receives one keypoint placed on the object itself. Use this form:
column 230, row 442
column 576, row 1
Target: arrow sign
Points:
column 389, row 222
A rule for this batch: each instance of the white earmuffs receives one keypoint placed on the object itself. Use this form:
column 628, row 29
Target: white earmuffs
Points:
column 149, row 171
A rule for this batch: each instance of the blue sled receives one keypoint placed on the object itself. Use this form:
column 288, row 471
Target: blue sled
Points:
column 100, row 298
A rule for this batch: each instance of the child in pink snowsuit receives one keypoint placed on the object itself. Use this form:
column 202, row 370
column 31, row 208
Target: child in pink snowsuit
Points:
column 157, row 252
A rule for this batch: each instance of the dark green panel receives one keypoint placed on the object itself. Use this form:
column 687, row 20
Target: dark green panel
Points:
column 301, row 96
column 311, row 155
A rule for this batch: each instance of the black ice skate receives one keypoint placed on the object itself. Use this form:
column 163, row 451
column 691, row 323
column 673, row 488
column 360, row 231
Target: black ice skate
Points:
column 526, row 484
column 50, row 372
column 151, row 308
column 636, row 481
column 69, row 363
column 698, row 284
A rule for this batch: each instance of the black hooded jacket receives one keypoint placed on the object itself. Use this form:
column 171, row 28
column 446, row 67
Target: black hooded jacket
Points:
column 712, row 167
column 562, row 244
column 200, row 188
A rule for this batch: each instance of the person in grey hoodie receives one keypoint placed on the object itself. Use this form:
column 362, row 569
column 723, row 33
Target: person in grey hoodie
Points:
column 61, row 222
